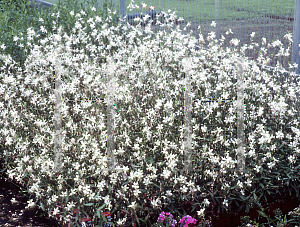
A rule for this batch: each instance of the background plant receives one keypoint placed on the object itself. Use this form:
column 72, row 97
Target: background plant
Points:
column 18, row 16
column 295, row 216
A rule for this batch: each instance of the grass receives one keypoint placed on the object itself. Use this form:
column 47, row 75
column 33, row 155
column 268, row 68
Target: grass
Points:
column 205, row 10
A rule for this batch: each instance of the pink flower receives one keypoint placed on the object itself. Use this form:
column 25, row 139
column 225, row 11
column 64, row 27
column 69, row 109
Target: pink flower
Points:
column 186, row 220
column 167, row 217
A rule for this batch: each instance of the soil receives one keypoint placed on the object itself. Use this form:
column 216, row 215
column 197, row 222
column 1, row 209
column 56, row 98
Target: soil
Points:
column 15, row 214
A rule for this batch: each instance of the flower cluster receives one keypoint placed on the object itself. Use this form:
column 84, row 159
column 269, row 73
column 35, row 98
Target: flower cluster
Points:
column 187, row 220
column 166, row 218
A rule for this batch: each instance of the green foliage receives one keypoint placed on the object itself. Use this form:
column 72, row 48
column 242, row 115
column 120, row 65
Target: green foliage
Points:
column 18, row 16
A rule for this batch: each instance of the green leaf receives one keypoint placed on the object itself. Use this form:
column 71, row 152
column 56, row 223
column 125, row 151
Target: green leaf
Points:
column 136, row 166
column 67, row 198
column 155, row 185
column 96, row 195
column 110, row 223
column 42, row 206
column 89, row 204
column 194, row 207
column 106, row 221
column 262, row 213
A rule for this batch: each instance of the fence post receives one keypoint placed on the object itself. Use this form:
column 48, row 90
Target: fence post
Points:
column 57, row 116
column 240, row 118
column 110, row 115
column 187, row 116
column 296, row 36
column 122, row 10
column 217, row 18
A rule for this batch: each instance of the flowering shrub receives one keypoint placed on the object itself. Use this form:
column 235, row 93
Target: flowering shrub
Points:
column 149, row 133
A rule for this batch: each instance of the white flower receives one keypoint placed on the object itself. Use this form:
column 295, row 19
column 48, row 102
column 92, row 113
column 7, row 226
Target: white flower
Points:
column 16, row 38
column 43, row 29
column 72, row 13
column 13, row 200
column 132, row 205
column 93, row 9
column 136, row 192
column 98, row 19
column 155, row 203
column 166, row 173
column 78, row 25
column 229, row 32
column 184, row 189
column 279, row 135
column 122, row 222
column 248, row 182
column 9, row 141
column 54, row 198
column 206, row 202
column 225, row 202
column 291, row 159
column 235, row 42
column 41, row 20
column 257, row 168
column 289, row 37
column 260, row 111
column 271, row 165
column 147, row 181
column 30, row 33
column 213, row 24
column 56, row 211
column 276, row 43
column 30, row 204
column 70, row 206
column 239, row 184
column 169, row 193
column 3, row 46
column 252, row 34
column 201, row 212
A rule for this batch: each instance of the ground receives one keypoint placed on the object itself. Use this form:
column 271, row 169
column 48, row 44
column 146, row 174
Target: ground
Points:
column 13, row 215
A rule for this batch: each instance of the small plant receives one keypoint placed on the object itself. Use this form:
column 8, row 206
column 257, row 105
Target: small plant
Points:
column 166, row 219
column 280, row 220
column 295, row 216
column 246, row 222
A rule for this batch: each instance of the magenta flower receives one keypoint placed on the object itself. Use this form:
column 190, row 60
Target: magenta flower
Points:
column 167, row 218
column 186, row 220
